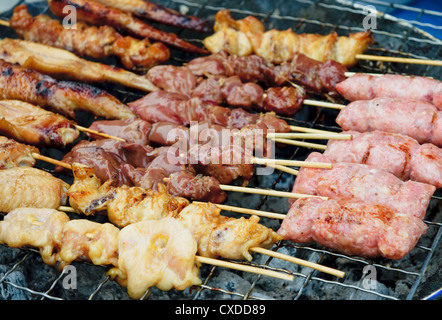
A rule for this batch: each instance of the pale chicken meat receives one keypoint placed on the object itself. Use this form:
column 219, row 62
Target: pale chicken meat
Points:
column 61, row 63
column 222, row 236
column 39, row 228
column 248, row 36
column 85, row 240
column 31, row 187
column 354, row 228
column 156, row 253
column 15, row 154
column 33, row 125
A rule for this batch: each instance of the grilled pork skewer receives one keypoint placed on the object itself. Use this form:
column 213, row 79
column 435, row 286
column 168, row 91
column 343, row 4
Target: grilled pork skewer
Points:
column 154, row 12
column 246, row 36
column 359, row 182
column 230, row 91
column 98, row 14
column 352, row 227
column 417, row 119
column 398, row 154
column 63, row 97
column 83, row 40
column 33, row 125
column 60, row 63
column 368, row 87
column 315, row 76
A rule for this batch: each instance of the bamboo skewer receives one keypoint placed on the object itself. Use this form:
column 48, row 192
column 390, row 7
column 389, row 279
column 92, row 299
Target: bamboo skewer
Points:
column 246, row 268
column 301, row 143
column 104, row 135
column 324, row 104
column 283, row 168
column 310, row 130
column 267, row 192
column 291, row 163
column 319, row 136
column 260, row 213
column 399, row 60
column 38, row 156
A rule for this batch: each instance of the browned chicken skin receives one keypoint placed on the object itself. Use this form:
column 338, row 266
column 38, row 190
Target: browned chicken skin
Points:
column 15, row 154
column 83, row 40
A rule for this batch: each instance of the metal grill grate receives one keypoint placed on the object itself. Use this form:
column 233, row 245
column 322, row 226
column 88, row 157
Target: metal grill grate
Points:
column 21, row 269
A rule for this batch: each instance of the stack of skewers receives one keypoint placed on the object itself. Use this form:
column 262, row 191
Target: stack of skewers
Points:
column 134, row 171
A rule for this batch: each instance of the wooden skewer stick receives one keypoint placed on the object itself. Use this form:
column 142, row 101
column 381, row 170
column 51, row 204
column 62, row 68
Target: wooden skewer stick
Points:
column 310, row 130
column 104, row 135
column 265, row 192
column 399, row 60
column 51, row 160
column 246, row 268
column 5, row 23
column 301, row 144
column 274, row 254
column 283, row 168
column 324, row 104
column 319, row 136
column 292, row 163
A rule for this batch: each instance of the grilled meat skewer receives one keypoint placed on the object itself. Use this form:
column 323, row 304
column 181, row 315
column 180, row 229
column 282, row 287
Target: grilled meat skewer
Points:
column 14, row 154
column 154, row 12
column 60, row 63
column 98, row 14
column 33, row 125
column 83, row 40
column 396, row 153
column 246, row 36
column 64, row 97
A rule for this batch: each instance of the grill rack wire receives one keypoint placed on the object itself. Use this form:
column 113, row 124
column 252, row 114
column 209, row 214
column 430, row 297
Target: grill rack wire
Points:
column 406, row 279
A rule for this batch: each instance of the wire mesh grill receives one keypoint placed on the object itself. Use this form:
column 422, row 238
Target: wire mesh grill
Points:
column 21, row 270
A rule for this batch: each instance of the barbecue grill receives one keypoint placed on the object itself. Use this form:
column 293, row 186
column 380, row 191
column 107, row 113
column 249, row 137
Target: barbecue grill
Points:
column 23, row 275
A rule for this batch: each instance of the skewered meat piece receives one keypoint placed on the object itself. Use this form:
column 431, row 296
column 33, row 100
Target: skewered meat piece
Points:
column 34, row 227
column 398, row 154
column 354, row 228
column 84, row 240
column 221, row 236
column 154, row 12
column 417, row 119
column 132, row 131
column 367, row 87
column 163, row 106
column 60, row 63
column 33, row 125
column 83, row 40
column 63, row 97
column 359, row 182
column 248, row 36
column 98, row 14
column 222, row 90
column 30, row 187
column 159, row 253
column 14, row 154
column 318, row 77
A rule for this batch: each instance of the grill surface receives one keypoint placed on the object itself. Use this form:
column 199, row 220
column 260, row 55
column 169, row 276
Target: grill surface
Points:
column 24, row 276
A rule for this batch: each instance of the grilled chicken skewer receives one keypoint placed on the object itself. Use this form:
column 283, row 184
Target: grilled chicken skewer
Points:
column 63, row 97
column 154, row 12
column 33, row 125
column 83, row 40
column 98, row 14
column 248, row 35
column 60, row 63
column 14, row 154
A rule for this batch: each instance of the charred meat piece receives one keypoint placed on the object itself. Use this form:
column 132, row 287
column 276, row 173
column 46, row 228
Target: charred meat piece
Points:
column 98, row 14
column 33, row 125
column 62, row 97
column 154, row 12
column 83, row 40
